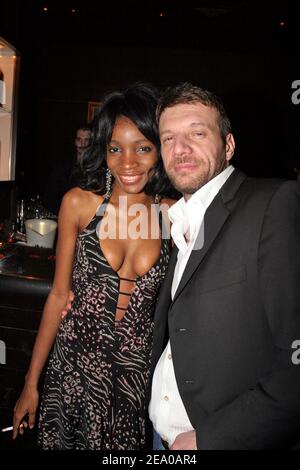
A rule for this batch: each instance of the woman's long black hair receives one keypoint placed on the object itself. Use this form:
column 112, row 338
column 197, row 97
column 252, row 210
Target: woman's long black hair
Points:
column 138, row 103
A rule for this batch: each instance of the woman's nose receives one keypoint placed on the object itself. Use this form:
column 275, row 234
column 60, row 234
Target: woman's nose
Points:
column 129, row 160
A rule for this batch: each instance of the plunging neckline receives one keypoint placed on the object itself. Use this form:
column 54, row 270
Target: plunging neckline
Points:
column 106, row 201
column 137, row 279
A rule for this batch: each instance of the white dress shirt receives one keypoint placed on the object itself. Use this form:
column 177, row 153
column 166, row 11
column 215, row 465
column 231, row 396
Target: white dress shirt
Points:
column 166, row 409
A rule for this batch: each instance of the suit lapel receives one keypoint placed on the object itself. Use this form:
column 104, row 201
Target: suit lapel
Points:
column 214, row 219
column 162, row 309
column 164, row 299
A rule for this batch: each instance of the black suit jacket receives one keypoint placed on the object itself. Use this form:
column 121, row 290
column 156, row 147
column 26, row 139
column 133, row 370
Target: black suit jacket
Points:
column 235, row 316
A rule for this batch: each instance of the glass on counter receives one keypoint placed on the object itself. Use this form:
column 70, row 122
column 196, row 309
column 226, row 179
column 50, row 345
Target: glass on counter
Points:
column 12, row 231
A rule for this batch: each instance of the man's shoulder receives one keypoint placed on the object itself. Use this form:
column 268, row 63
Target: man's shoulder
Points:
column 240, row 186
column 269, row 194
column 269, row 186
column 255, row 195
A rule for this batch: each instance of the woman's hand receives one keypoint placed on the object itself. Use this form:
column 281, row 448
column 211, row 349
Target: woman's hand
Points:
column 68, row 304
column 26, row 405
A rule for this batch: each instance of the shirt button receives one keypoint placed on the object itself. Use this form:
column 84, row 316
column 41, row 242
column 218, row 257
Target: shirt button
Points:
column 166, row 398
column 169, row 356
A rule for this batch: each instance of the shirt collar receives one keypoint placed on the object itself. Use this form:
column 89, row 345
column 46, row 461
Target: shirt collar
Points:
column 189, row 214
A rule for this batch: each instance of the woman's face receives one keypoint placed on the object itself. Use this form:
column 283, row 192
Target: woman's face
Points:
column 130, row 157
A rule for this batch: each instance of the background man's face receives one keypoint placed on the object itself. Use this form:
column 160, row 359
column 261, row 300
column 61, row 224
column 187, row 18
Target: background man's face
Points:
column 192, row 148
column 82, row 140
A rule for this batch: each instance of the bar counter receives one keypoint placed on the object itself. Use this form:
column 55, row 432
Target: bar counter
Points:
column 26, row 275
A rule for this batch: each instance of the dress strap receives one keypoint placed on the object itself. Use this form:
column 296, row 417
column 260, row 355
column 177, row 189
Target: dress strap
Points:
column 102, row 206
column 126, row 279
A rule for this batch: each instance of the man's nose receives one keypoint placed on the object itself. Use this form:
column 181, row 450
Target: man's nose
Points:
column 182, row 145
column 82, row 143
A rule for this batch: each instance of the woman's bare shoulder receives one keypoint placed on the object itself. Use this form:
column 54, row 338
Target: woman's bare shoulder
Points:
column 76, row 198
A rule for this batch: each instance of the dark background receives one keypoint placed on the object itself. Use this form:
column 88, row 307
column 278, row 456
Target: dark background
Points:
column 246, row 51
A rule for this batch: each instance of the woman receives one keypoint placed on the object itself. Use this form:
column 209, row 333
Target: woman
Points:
column 98, row 374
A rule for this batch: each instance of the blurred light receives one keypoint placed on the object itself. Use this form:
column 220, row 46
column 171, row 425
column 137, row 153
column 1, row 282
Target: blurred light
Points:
column 282, row 24
column 73, row 10
column 161, row 14
column 45, row 9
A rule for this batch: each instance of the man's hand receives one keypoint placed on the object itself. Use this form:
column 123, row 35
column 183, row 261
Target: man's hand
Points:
column 68, row 304
column 185, row 441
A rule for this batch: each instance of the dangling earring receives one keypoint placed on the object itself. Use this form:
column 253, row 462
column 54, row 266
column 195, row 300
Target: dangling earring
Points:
column 108, row 182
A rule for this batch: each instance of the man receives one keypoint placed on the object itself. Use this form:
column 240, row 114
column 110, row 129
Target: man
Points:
column 62, row 178
column 230, row 303
column 82, row 140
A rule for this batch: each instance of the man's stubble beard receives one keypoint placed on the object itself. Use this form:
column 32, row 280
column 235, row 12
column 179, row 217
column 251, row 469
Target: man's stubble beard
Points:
column 196, row 182
column 189, row 187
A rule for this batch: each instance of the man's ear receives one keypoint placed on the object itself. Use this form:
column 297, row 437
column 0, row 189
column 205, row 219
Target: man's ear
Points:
column 230, row 146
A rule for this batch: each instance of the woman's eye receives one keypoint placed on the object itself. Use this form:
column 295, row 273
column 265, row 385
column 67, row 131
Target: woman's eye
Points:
column 113, row 149
column 145, row 149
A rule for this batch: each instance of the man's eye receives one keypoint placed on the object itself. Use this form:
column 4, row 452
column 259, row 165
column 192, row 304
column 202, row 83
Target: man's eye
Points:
column 167, row 140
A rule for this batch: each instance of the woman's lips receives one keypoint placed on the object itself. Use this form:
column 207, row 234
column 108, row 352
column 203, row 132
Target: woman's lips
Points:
column 130, row 179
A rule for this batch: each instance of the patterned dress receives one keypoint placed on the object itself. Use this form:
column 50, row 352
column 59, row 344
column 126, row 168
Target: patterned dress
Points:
column 98, row 374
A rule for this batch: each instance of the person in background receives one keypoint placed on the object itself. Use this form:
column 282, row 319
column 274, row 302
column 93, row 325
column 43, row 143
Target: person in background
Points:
column 82, row 140
column 296, row 173
column 228, row 374
column 97, row 382
column 64, row 176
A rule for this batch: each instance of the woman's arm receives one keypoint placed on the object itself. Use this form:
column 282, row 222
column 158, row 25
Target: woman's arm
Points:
column 68, row 223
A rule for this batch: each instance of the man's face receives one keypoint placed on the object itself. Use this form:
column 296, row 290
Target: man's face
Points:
column 82, row 140
column 192, row 148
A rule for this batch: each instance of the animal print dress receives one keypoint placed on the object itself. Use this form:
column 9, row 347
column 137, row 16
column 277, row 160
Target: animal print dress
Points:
column 97, row 378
